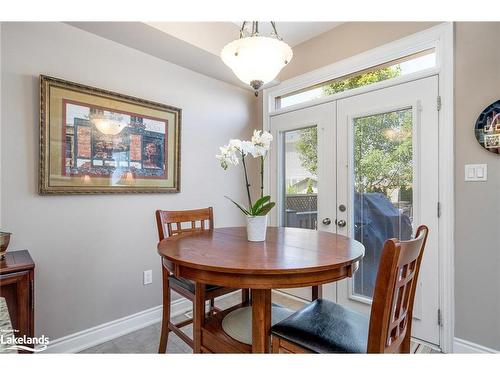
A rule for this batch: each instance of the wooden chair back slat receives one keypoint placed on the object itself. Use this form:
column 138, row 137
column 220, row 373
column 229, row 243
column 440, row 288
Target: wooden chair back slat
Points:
column 173, row 221
column 169, row 230
column 395, row 287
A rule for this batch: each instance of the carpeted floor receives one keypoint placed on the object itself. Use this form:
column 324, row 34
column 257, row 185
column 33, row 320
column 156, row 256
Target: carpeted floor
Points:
column 146, row 340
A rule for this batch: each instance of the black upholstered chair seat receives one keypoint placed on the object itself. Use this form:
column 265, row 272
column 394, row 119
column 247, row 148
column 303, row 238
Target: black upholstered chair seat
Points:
column 189, row 285
column 325, row 327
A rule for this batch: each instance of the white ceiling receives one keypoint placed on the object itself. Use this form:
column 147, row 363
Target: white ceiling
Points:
column 209, row 36
column 213, row 36
column 196, row 45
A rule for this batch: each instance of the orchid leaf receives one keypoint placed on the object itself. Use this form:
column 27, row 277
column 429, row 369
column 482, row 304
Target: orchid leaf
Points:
column 257, row 206
column 244, row 210
column 265, row 209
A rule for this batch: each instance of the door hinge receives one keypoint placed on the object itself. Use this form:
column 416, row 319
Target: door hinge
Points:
column 439, row 209
column 440, row 318
column 438, row 103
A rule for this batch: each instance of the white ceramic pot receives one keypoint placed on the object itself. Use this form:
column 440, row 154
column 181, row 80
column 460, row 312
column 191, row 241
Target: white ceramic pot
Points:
column 256, row 228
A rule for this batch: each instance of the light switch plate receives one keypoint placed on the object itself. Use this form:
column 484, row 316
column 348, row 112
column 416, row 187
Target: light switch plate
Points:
column 476, row 172
column 147, row 277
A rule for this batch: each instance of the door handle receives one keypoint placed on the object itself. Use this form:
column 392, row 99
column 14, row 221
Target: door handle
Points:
column 327, row 221
column 341, row 223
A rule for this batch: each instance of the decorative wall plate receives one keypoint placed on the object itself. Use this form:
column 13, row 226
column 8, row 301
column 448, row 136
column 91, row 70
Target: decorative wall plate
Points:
column 487, row 128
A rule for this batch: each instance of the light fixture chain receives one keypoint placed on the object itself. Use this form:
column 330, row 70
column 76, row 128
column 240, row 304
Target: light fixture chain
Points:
column 242, row 29
column 273, row 24
column 255, row 29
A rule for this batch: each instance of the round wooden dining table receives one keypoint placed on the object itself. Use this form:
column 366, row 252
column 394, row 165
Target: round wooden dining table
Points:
column 288, row 258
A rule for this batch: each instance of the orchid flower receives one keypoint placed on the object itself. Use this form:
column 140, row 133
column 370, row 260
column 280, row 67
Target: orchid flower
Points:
column 227, row 157
column 237, row 149
column 262, row 139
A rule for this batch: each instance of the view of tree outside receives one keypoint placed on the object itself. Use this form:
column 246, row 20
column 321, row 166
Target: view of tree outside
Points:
column 383, row 152
column 363, row 79
column 307, row 147
column 382, row 142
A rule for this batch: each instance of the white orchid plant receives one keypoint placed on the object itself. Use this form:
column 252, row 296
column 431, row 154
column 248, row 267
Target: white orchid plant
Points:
column 237, row 150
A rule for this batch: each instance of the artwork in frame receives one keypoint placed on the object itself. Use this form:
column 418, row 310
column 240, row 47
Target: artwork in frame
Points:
column 94, row 141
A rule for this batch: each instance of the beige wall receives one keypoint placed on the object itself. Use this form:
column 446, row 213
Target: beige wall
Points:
column 346, row 40
column 90, row 251
column 477, row 205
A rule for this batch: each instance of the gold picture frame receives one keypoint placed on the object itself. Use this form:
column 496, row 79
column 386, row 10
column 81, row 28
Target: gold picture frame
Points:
column 94, row 141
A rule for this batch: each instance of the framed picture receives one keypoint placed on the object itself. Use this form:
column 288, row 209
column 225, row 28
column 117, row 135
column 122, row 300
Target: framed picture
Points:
column 94, row 141
column 487, row 128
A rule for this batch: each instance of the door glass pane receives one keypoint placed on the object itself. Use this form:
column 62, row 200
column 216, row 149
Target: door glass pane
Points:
column 383, row 188
column 299, row 209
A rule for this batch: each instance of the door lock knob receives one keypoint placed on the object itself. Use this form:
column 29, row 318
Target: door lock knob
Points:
column 327, row 221
column 341, row 223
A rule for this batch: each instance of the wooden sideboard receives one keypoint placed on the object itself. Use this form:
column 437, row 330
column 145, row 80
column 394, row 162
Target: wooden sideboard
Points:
column 17, row 286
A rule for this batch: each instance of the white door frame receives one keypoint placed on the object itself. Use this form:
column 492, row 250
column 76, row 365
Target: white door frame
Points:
column 439, row 37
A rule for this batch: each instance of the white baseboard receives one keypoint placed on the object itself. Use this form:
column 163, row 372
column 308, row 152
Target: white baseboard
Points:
column 464, row 346
column 85, row 339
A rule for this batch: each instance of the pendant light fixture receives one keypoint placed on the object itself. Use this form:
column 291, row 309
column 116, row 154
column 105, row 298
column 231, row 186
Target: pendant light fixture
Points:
column 256, row 59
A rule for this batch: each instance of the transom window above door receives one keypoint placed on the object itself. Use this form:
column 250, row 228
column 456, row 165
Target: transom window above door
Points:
column 406, row 65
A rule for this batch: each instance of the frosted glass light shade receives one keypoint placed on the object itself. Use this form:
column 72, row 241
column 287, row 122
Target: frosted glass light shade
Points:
column 256, row 60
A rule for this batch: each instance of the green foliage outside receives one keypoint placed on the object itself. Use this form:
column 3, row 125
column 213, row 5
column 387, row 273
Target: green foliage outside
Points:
column 383, row 152
column 382, row 143
column 310, row 189
column 362, row 80
column 292, row 189
column 307, row 146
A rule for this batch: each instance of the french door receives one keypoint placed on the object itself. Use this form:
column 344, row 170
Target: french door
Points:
column 365, row 167
column 387, row 185
column 302, row 177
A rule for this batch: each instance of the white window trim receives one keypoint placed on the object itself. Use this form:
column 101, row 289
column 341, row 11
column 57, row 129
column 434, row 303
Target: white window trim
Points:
column 424, row 40
column 439, row 37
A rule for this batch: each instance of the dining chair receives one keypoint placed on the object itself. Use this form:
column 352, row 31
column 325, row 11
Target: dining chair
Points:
column 326, row 327
column 185, row 223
